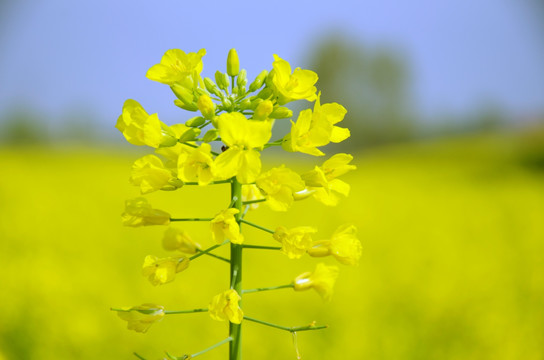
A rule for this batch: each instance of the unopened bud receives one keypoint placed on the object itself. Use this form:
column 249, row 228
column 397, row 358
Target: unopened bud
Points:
column 255, row 102
column 245, row 104
column 188, row 107
column 242, row 78
column 211, row 135
column 183, row 94
column 263, row 110
column 233, row 63
column 258, row 82
column 211, row 87
column 195, row 121
column 222, row 80
column 189, row 135
column 281, row 113
column 265, row 93
column 206, row 106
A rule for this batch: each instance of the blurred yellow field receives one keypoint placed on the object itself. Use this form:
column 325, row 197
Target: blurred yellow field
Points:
column 452, row 263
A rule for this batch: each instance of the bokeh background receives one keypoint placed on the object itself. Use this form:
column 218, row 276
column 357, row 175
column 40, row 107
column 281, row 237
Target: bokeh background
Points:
column 446, row 106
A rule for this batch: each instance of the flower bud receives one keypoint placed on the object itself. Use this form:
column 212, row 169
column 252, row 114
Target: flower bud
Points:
column 263, row 110
column 258, row 82
column 255, row 102
column 242, row 78
column 206, row 106
column 188, row 107
column 265, row 93
column 211, row 135
column 245, row 104
column 222, row 80
column 189, row 135
column 211, row 87
column 281, row 113
column 233, row 63
column 183, row 94
column 195, row 121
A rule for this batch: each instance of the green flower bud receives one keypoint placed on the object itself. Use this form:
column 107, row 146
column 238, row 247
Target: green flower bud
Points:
column 206, row 106
column 183, row 94
column 189, row 135
column 258, row 82
column 263, row 110
column 242, row 78
column 175, row 182
column 233, row 63
column 265, row 93
column 281, row 113
column 211, row 87
column 195, row 121
column 222, row 80
column 255, row 102
column 227, row 103
column 268, row 81
column 188, row 107
column 245, row 104
column 211, row 135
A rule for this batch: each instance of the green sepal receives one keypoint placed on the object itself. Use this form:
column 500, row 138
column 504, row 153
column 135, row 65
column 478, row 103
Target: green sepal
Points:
column 258, row 82
column 189, row 135
column 281, row 113
column 222, row 80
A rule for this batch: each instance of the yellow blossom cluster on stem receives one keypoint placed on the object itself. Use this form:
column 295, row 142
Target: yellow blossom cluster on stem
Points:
column 221, row 144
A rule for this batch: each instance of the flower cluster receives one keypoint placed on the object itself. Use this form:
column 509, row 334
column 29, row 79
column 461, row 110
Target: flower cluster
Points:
column 222, row 144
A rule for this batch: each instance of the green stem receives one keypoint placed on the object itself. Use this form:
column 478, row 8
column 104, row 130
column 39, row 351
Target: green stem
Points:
column 248, row 291
column 257, row 226
column 219, row 257
column 139, row 356
column 210, row 348
column 253, row 201
column 290, row 329
column 235, row 330
column 211, row 183
column 192, row 219
column 175, row 312
column 261, row 247
column 204, row 252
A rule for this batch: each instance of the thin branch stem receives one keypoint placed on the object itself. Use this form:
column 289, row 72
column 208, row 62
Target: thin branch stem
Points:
column 229, row 339
column 138, row 356
column 253, row 201
column 211, row 183
column 290, row 329
column 204, row 252
column 192, row 219
column 261, row 247
column 257, row 226
column 175, row 312
column 248, row 291
column 219, row 257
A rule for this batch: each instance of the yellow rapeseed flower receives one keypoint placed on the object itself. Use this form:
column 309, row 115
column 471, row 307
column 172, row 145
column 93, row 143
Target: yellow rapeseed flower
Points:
column 138, row 212
column 323, row 180
column 196, row 165
column 242, row 136
column 140, row 318
column 224, row 226
column 177, row 67
column 163, row 270
column 295, row 242
column 278, row 185
column 177, row 239
column 292, row 86
column 140, row 128
column 224, row 306
column 343, row 245
column 321, row 280
column 316, row 129
column 252, row 192
column 150, row 174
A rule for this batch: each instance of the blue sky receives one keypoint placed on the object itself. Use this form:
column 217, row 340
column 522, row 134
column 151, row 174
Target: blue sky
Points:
column 59, row 56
